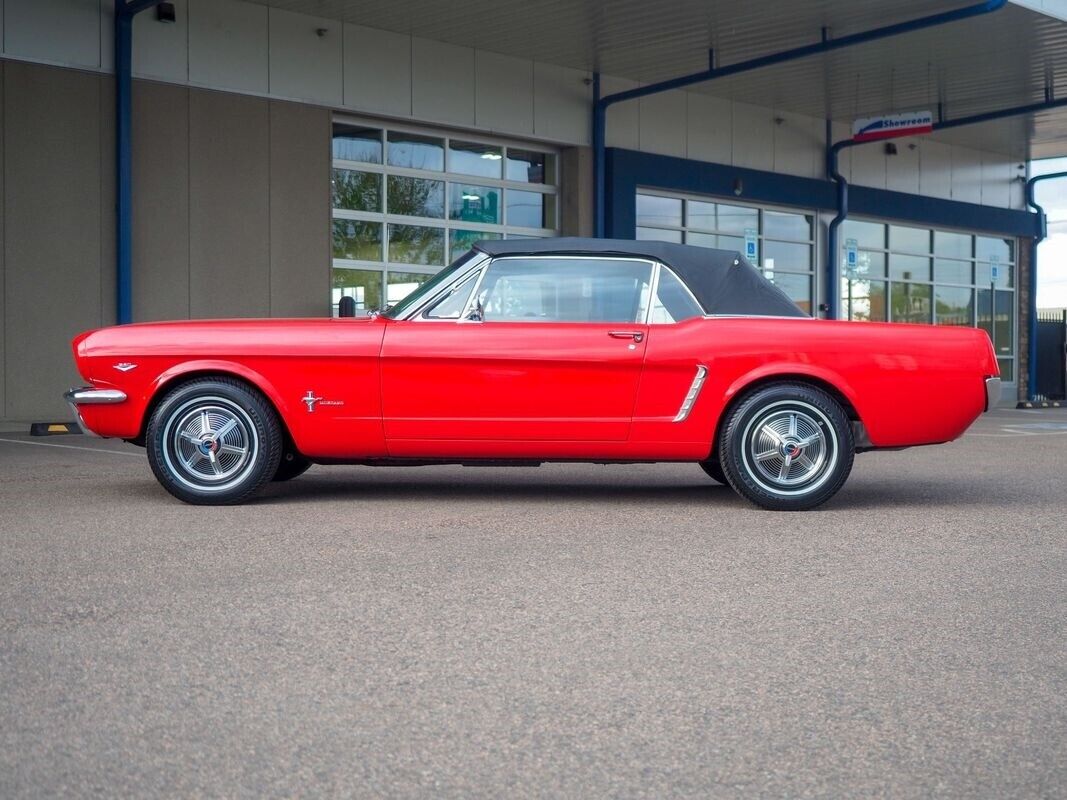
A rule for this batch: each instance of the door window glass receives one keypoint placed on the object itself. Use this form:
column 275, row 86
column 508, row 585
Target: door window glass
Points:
column 565, row 290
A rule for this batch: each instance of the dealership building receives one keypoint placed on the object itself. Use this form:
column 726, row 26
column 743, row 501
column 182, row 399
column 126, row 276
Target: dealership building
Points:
column 221, row 158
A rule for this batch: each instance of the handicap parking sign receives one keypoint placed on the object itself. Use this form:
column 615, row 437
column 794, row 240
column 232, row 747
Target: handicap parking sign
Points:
column 750, row 244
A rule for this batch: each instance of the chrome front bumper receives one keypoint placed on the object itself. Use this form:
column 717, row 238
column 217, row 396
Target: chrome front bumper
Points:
column 992, row 393
column 90, row 395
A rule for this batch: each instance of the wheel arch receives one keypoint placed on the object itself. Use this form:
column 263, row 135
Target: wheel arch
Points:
column 194, row 370
column 830, row 383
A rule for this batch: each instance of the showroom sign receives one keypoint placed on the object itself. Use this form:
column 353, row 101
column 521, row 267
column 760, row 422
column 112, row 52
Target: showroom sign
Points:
column 892, row 125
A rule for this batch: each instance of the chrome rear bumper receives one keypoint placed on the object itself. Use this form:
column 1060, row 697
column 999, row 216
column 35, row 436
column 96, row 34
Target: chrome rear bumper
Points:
column 90, row 395
column 992, row 393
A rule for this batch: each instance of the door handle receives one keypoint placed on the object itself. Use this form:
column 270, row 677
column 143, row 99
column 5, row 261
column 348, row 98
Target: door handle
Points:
column 637, row 336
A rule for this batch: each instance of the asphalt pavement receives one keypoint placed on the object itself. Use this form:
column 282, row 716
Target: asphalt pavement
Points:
column 566, row 631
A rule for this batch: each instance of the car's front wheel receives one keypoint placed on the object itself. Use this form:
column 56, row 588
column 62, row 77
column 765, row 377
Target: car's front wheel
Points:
column 787, row 447
column 213, row 441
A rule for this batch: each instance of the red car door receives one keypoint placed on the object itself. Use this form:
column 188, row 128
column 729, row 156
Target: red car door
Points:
column 553, row 354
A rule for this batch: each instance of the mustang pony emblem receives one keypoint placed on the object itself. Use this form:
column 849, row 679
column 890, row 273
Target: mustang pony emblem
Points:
column 310, row 399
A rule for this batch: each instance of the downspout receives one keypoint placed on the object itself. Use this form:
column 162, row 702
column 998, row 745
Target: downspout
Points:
column 842, row 184
column 1042, row 232
column 825, row 45
column 124, row 14
column 832, row 258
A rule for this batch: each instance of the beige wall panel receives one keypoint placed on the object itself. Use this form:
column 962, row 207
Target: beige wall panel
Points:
column 563, row 100
column 868, row 165
column 303, row 64
column 997, row 171
column 229, row 251
column 52, row 230
column 108, row 190
column 162, row 51
column 623, row 119
column 902, row 170
column 1017, row 188
column 799, row 145
column 161, row 201
column 935, row 169
column 228, row 45
column 66, row 31
column 299, row 210
column 966, row 175
column 753, row 136
column 503, row 93
column 442, row 82
column 709, row 128
column 377, row 71
column 662, row 123
column 3, row 316
column 576, row 198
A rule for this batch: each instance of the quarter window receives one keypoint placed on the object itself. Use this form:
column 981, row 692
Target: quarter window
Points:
column 673, row 303
column 565, row 290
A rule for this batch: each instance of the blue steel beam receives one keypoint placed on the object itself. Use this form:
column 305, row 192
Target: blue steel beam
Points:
column 832, row 153
column 824, row 45
column 1042, row 232
column 124, row 14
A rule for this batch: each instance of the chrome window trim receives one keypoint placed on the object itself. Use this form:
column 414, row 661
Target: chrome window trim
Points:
column 653, row 265
column 692, row 395
column 757, row 316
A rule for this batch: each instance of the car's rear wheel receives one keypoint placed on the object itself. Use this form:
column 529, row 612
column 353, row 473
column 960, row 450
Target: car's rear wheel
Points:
column 213, row 441
column 292, row 465
column 787, row 447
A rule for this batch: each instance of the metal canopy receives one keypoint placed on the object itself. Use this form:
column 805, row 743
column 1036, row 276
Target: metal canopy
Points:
column 1005, row 59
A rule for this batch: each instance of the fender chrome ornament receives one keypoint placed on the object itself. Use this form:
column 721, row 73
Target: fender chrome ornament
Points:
column 310, row 400
column 125, row 366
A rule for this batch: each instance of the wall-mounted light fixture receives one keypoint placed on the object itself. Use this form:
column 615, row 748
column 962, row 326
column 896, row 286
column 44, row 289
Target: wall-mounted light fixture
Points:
column 890, row 148
column 165, row 13
column 739, row 186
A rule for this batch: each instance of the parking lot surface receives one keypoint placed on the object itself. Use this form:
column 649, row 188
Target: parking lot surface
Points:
column 573, row 630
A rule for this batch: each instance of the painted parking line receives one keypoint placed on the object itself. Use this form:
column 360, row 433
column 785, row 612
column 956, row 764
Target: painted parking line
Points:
column 72, row 447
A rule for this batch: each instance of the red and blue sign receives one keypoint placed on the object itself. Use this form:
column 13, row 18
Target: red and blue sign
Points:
column 892, row 125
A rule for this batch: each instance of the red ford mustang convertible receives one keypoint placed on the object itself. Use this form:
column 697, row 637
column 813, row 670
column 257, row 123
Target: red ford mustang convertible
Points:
column 525, row 351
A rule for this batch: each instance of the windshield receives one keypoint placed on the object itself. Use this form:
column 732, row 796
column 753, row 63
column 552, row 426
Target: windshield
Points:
column 442, row 278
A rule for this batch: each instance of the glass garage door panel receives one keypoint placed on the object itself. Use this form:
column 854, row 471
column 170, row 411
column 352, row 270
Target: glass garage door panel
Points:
column 935, row 276
column 785, row 240
column 406, row 202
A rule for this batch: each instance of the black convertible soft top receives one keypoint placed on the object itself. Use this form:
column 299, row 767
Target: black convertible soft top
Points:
column 722, row 281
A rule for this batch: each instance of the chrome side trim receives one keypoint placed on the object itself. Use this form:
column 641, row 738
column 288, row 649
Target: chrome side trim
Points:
column 90, row 395
column 692, row 394
column 992, row 393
